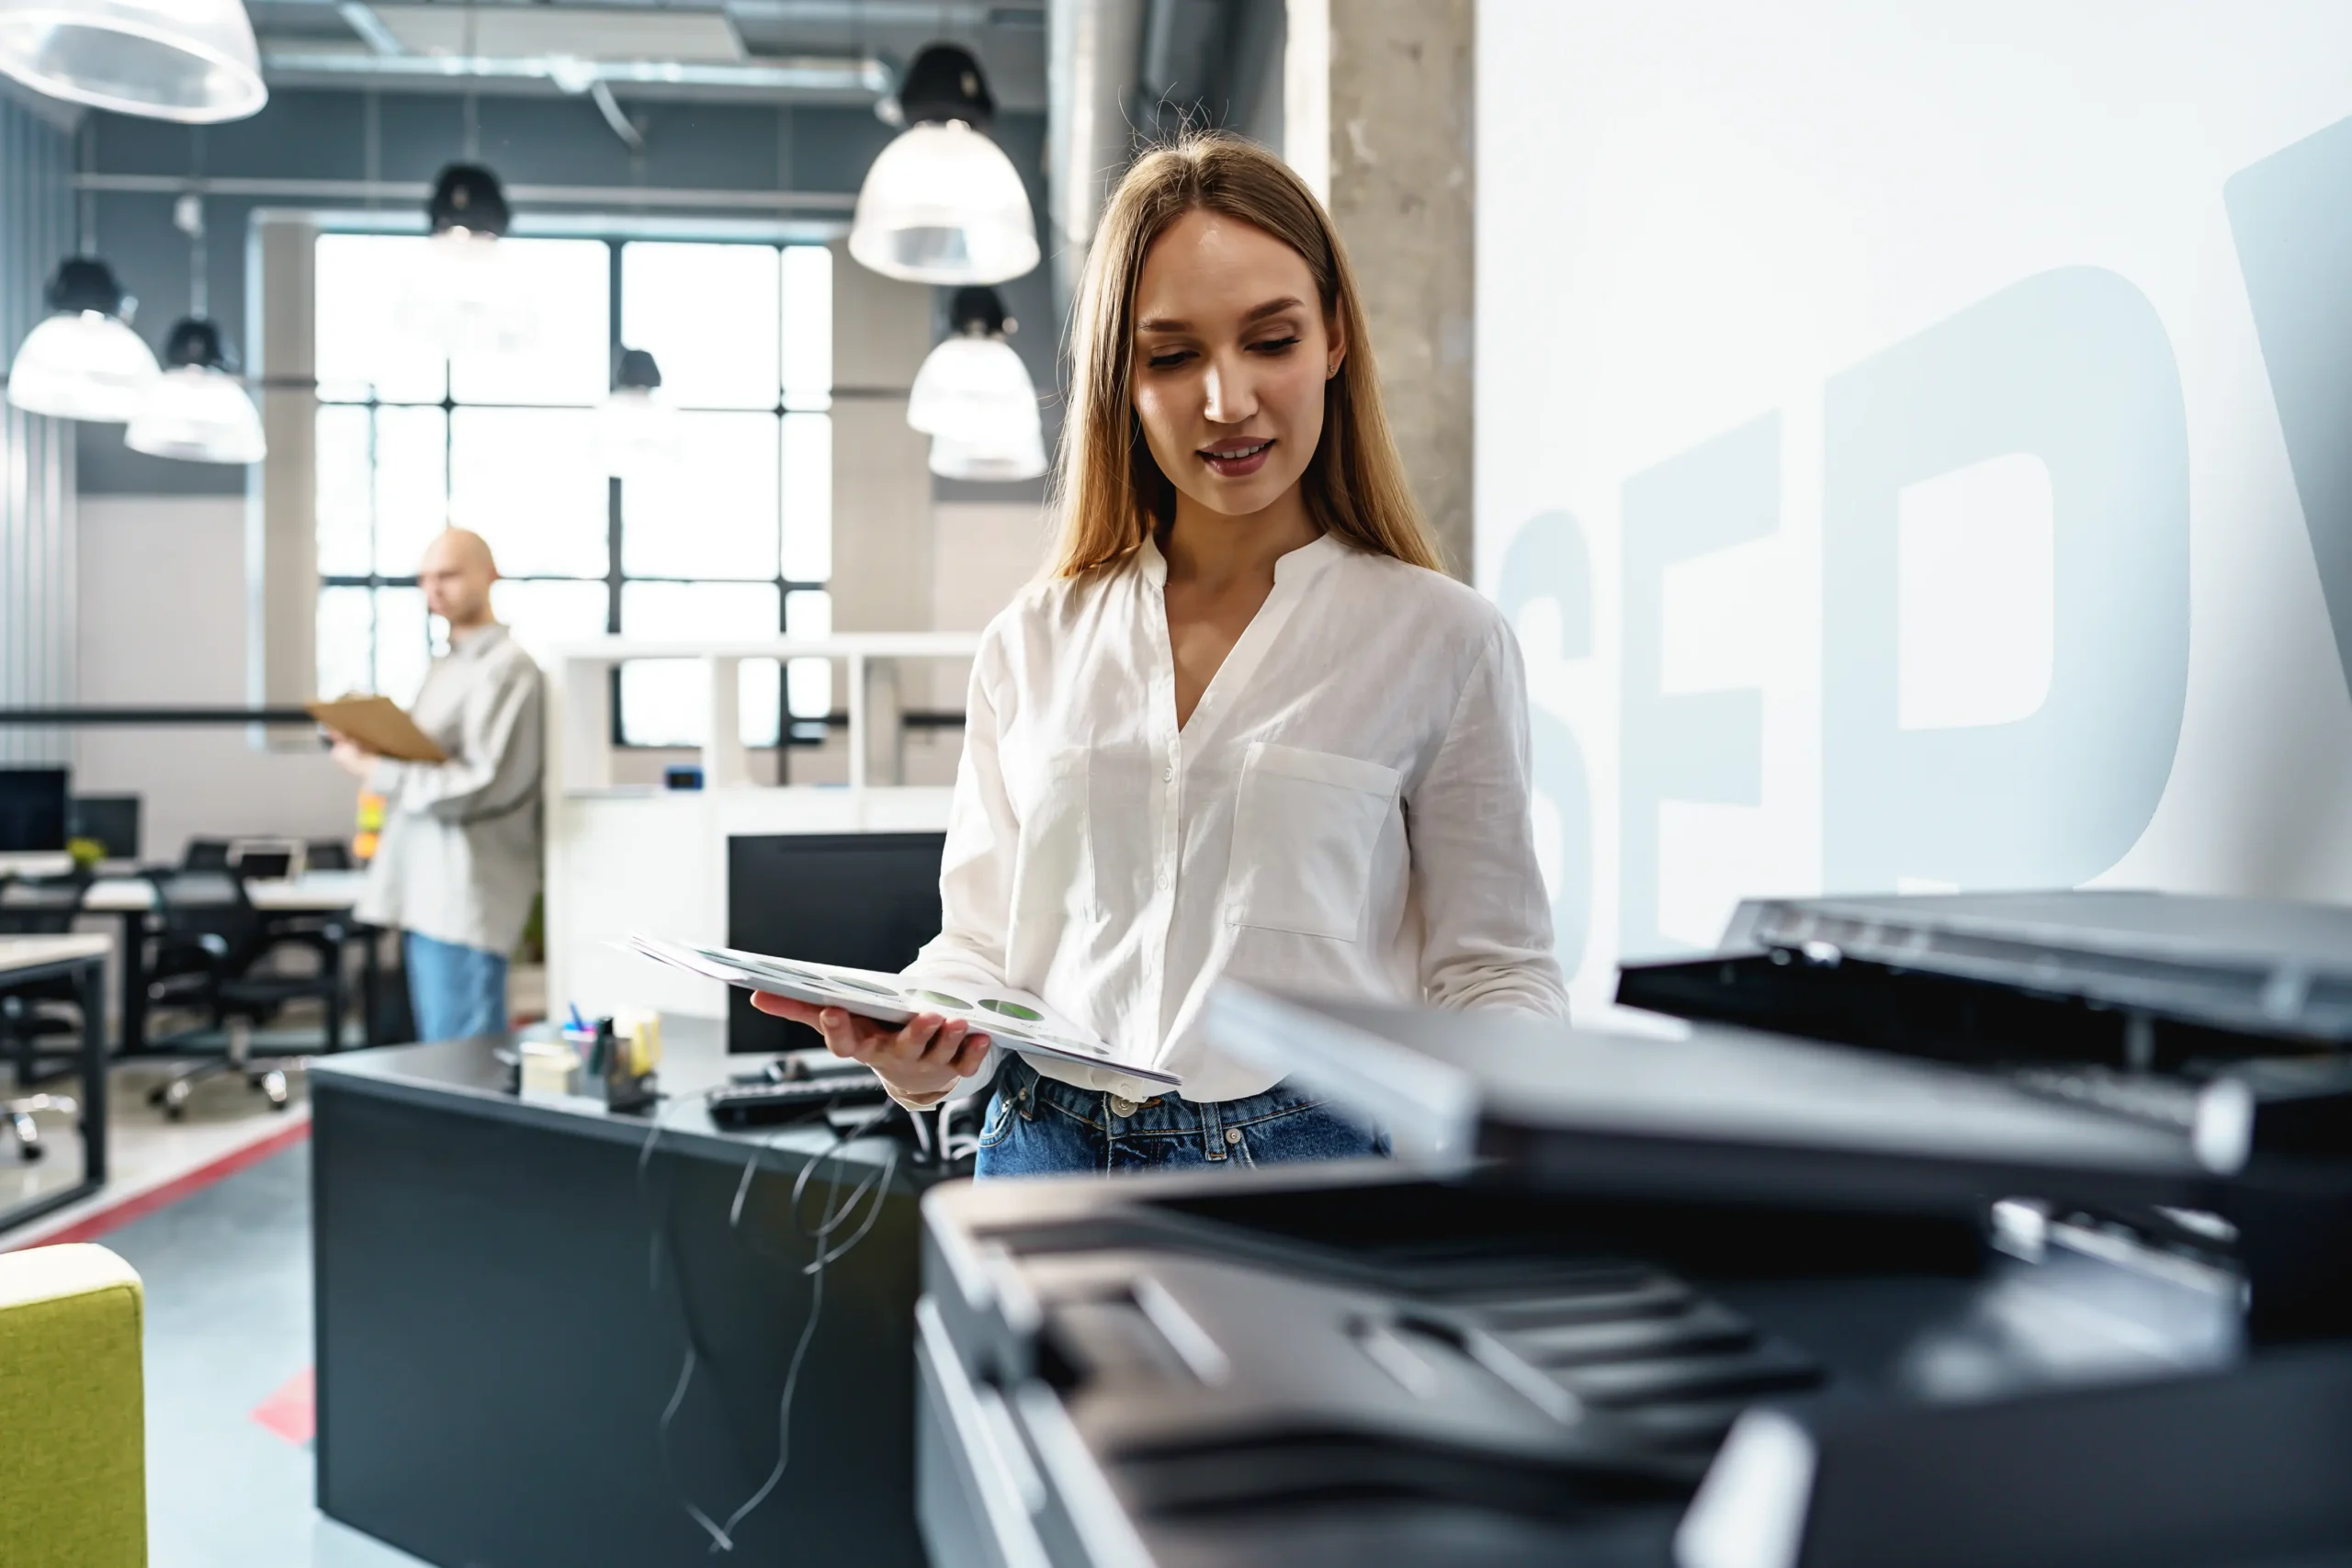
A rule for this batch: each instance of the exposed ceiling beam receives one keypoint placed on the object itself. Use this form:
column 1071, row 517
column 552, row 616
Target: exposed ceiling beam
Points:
column 831, row 74
column 618, row 197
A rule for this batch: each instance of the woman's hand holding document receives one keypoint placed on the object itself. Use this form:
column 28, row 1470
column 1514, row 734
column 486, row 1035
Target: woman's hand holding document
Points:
column 970, row 1017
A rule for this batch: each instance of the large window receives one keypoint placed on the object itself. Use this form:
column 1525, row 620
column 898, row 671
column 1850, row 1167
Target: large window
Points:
column 737, row 541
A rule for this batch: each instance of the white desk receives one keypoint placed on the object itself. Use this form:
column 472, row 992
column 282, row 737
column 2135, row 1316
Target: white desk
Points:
column 36, row 862
column 312, row 893
column 82, row 957
column 21, row 953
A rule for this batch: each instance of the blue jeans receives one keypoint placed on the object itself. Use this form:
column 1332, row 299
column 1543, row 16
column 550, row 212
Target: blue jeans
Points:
column 1041, row 1126
column 454, row 991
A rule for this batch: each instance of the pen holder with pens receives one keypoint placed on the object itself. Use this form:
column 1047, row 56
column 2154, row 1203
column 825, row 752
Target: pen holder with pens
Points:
column 626, row 1055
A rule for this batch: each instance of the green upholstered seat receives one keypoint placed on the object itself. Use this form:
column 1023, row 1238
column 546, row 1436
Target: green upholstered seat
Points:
column 73, row 1427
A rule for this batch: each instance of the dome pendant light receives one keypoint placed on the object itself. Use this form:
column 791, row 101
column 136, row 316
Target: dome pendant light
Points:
column 462, row 297
column 197, row 411
column 1021, row 458
column 972, row 386
column 637, row 430
column 942, row 203
column 83, row 362
column 191, row 60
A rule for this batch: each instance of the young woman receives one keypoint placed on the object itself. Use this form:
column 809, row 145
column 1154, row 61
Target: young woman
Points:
column 1245, row 727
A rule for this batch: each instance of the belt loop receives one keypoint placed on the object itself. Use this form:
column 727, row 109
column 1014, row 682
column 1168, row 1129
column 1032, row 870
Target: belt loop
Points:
column 1212, row 1134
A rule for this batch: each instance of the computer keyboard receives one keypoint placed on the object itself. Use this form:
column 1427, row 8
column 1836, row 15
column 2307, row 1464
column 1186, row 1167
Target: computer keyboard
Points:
column 765, row 1104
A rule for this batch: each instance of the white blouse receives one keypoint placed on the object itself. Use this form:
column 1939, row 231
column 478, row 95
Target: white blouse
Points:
column 1345, row 813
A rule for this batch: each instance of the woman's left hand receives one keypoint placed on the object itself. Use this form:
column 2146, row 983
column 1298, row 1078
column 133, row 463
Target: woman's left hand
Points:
column 920, row 1060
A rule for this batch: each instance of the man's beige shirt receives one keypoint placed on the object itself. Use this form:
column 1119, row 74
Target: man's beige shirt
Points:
column 459, row 857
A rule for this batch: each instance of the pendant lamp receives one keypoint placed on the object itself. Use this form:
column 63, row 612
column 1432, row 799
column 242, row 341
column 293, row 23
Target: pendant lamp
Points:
column 195, row 411
column 83, row 362
column 1023, row 457
column 973, row 388
column 191, row 60
column 638, row 430
column 463, row 297
column 942, row 203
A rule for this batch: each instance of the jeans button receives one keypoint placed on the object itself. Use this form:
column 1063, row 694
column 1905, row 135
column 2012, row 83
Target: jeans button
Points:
column 1233, row 1135
column 1121, row 1106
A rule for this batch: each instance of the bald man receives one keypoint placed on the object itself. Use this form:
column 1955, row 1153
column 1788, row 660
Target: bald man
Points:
column 459, row 862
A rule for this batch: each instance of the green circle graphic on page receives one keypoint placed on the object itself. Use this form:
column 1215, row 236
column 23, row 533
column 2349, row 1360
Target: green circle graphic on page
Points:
column 941, row 998
column 1013, row 1009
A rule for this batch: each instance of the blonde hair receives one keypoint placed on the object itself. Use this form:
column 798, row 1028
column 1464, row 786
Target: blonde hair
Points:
column 1109, row 493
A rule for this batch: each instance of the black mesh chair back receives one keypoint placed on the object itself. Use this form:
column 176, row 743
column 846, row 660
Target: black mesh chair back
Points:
column 204, row 922
column 328, row 854
column 40, row 906
column 206, row 854
column 214, row 950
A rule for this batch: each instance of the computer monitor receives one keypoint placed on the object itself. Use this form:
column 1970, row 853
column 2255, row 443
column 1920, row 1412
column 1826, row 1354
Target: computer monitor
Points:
column 266, row 860
column 111, row 820
column 866, row 900
column 33, row 809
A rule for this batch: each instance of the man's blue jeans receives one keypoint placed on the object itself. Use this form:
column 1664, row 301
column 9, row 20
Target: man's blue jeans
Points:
column 453, row 991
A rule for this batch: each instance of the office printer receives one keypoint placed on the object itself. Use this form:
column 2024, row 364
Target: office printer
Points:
column 1714, row 1297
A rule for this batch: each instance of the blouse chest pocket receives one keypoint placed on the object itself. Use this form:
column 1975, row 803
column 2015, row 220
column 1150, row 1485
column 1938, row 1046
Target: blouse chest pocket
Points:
column 1054, row 873
column 1305, row 825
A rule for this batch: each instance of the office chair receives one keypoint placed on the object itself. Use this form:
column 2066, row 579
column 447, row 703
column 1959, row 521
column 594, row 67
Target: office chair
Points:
column 38, row 908
column 210, row 945
column 206, row 854
column 328, row 854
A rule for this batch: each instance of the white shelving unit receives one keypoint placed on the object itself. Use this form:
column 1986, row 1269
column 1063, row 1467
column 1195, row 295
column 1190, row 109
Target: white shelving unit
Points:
column 628, row 859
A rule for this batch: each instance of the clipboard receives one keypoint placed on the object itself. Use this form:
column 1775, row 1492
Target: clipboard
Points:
column 379, row 725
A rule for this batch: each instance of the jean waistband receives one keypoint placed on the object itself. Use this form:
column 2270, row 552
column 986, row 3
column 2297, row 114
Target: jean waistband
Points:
column 1163, row 1113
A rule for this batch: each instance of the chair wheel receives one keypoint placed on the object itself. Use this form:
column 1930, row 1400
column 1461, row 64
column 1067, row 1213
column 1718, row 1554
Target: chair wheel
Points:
column 176, row 1095
column 156, row 1096
column 272, row 1083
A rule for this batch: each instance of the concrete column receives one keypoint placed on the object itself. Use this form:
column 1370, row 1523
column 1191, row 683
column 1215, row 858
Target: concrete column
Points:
column 282, row 495
column 1399, row 114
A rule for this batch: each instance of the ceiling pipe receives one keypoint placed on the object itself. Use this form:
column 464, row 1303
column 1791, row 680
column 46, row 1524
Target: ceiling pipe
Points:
column 623, row 127
column 361, row 18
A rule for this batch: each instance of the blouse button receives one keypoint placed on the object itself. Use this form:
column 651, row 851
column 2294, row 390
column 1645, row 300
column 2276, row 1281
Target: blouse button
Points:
column 1233, row 1135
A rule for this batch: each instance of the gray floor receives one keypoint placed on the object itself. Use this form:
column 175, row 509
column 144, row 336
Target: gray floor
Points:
column 228, row 1277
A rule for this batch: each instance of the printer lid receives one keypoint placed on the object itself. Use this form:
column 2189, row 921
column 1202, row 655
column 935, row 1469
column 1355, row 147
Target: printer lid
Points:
column 1705, row 1110
column 2262, row 968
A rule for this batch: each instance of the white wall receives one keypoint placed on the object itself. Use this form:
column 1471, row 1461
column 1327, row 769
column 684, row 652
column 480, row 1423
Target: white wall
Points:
column 1908, row 443
column 161, row 619
column 163, row 624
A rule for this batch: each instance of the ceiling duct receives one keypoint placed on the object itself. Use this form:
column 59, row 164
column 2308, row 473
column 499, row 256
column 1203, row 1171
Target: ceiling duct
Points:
column 1094, row 57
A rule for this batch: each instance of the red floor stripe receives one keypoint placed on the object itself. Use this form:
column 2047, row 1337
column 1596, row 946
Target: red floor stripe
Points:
column 293, row 1411
column 138, row 1206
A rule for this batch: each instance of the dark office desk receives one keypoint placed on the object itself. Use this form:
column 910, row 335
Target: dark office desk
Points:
column 492, row 1366
column 26, row 960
